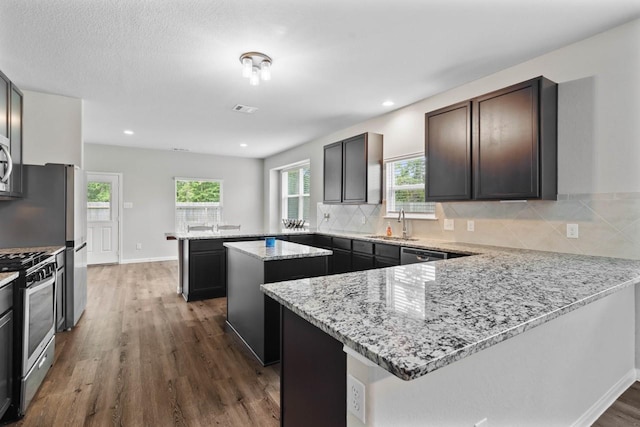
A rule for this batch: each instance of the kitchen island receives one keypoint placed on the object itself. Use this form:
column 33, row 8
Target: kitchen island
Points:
column 510, row 335
column 254, row 317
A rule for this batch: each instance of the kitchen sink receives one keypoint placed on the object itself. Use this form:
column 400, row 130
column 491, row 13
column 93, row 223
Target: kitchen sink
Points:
column 394, row 238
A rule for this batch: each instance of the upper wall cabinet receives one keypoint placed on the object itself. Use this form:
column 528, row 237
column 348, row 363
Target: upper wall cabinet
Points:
column 353, row 170
column 448, row 153
column 11, row 139
column 513, row 148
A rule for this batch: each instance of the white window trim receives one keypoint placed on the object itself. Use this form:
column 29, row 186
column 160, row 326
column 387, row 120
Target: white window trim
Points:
column 284, row 189
column 409, row 215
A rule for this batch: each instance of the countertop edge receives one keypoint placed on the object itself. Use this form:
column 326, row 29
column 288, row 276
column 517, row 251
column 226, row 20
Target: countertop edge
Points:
column 8, row 277
column 468, row 350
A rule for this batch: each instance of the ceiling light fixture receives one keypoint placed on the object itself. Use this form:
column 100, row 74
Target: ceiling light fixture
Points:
column 256, row 66
column 243, row 145
column 387, row 103
column 128, row 132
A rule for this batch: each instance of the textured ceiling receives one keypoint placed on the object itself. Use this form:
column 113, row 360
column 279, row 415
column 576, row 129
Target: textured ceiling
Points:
column 169, row 69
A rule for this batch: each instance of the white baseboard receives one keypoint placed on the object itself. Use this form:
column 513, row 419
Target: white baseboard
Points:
column 598, row 408
column 157, row 259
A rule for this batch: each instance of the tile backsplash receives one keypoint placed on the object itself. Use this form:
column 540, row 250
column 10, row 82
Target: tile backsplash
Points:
column 609, row 223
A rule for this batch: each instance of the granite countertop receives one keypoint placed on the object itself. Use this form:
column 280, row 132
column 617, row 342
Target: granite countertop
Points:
column 414, row 319
column 7, row 277
column 226, row 234
column 50, row 250
column 281, row 250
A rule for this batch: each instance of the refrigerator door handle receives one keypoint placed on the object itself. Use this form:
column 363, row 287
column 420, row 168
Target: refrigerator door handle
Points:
column 7, row 173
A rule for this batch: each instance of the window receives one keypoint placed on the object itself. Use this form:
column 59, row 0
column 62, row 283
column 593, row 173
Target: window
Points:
column 98, row 201
column 296, row 186
column 405, row 187
column 198, row 202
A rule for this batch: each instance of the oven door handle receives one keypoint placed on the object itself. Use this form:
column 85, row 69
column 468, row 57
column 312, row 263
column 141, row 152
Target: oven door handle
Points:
column 51, row 280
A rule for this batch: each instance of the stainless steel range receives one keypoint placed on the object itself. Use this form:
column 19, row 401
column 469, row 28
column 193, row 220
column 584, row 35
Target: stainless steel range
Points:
column 34, row 327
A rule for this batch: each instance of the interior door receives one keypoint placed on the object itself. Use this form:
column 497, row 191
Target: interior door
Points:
column 103, row 218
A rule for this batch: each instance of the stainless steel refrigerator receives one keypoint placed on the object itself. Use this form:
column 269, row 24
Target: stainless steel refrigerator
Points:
column 53, row 213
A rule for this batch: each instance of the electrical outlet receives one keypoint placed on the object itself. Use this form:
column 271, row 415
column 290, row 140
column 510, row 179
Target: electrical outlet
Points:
column 482, row 423
column 326, row 217
column 364, row 219
column 572, row 231
column 448, row 224
column 355, row 397
column 471, row 225
column 138, row 246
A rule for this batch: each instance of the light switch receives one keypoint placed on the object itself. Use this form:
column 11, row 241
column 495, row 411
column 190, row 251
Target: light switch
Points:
column 471, row 225
column 127, row 205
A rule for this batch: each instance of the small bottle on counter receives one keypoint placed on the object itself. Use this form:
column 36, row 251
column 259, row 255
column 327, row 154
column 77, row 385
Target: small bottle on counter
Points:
column 389, row 232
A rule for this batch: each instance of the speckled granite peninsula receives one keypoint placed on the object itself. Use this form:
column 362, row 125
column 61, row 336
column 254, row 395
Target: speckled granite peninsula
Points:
column 412, row 320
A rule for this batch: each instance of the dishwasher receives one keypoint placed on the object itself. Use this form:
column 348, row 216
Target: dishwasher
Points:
column 413, row 256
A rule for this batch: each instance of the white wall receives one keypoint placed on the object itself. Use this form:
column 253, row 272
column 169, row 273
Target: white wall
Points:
column 599, row 134
column 148, row 183
column 52, row 126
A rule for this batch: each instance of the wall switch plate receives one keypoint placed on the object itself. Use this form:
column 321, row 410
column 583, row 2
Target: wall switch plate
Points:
column 138, row 246
column 448, row 224
column 127, row 205
column 355, row 397
column 364, row 219
column 572, row 231
column 482, row 423
column 471, row 225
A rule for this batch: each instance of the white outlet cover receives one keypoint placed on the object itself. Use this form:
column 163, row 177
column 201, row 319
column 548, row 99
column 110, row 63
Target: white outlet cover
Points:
column 471, row 225
column 356, row 398
column 448, row 224
column 572, row 231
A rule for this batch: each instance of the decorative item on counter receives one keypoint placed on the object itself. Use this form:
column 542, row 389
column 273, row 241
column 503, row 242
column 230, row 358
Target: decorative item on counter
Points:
column 270, row 242
column 389, row 232
column 293, row 223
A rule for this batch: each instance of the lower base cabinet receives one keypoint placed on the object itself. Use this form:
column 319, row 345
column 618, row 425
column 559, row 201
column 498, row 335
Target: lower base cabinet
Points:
column 6, row 347
column 313, row 376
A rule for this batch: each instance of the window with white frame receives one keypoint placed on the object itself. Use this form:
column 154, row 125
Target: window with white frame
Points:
column 296, row 188
column 198, row 202
column 405, row 187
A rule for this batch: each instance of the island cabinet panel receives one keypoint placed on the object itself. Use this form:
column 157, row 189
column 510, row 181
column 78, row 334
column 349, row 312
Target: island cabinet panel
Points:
column 252, row 315
column 448, row 153
column 333, row 173
column 313, row 376
column 514, row 142
column 206, row 272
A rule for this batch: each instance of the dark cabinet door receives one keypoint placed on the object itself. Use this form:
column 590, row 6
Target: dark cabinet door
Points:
column 5, row 88
column 354, row 171
column 333, row 173
column 448, row 153
column 6, row 350
column 513, row 127
column 340, row 261
column 360, row 262
column 305, row 239
column 208, row 274
column 15, row 132
column 382, row 262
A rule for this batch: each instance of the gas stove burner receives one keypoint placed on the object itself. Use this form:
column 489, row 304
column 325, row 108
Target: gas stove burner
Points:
column 20, row 260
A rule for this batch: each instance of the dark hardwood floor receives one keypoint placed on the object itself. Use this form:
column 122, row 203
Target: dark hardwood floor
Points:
column 142, row 356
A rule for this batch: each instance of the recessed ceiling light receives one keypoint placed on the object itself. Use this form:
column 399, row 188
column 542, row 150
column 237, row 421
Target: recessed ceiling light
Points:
column 243, row 145
column 387, row 103
column 128, row 132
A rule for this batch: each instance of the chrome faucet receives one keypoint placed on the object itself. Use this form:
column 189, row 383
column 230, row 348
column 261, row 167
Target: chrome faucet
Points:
column 403, row 219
